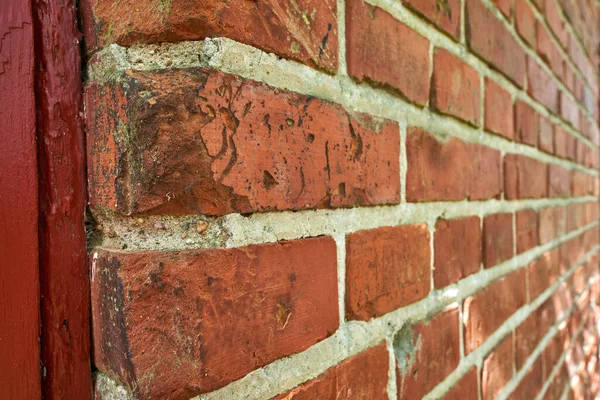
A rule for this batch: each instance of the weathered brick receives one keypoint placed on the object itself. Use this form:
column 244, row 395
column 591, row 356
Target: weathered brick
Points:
column 487, row 309
column 548, row 50
column 555, row 22
column 455, row 87
column 498, row 110
column 543, row 272
column 497, row 369
column 436, row 354
column 505, row 6
column 580, row 183
column 450, row 169
column 383, row 50
column 386, row 268
column 497, row 239
column 546, row 135
column 531, row 383
column 531, row 331
column 525, row 22
column 305, row 31
column 444, row 15
column 527, row 230
column 466, row 388
column 541, row 86
column 165, row 321
column 362, row 376
column 201, row 141
column 559, row 181
column 564, row 143
column 569, row 110
column 526, row 123
column 488, row 37
column 524, row 177
column 457, row 250
column 552, row 223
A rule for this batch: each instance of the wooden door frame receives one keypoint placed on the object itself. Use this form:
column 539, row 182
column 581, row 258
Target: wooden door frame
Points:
column 44, row 299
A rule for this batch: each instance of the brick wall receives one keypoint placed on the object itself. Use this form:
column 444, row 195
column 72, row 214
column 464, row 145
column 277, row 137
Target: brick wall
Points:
column 344, row 199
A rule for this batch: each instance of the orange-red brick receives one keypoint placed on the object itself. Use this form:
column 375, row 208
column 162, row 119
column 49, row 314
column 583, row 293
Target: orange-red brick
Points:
column 524, row 177
column 455, row 87
column 497, row 239
column 386, row 268
column 445, row 15
column 498, row 110
column 450, row 169
column 166, row 322
column 363, row 376
column 383, row 50
column 202, row 141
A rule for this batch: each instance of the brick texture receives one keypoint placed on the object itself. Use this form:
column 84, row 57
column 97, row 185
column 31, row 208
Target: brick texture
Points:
column 386, row 268
column 160, row 316
column 329, row 189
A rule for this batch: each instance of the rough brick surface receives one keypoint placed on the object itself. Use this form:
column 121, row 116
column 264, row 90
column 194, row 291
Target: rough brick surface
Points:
column 457, row 249
column 383, row 50
column 524, row 178
column 541, row 86
column 436, row 353
column 200, row 141
column 497, row 239
column 363, row 376
column 304, row 30
column 450, row 169
column 497, row 369
column 487, row 309
column 465, row 389
column 444, row 15
column 526, row 124
column 386, row 268
column 488, row 37
column 527, row 230
column 167, row 323
column 455, row 87
column 498, row 110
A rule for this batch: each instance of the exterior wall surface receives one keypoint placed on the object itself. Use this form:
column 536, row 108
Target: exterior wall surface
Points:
column 344, row 199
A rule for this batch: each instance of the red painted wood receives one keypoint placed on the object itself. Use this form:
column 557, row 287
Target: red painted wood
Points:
column 63, row 262
column 19, row 285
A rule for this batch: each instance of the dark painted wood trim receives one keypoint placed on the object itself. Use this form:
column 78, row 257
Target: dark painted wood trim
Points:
column 65, row 296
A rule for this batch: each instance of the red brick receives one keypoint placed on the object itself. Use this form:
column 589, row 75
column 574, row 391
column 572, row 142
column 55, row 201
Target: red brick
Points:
column 455, row 87
column 569, row 110
column 543, row 272
column 486, row 310
column 466, row 388
column 557, row 387
column 531, row 383
column 497, row 369
column 450, row 169
column 383, row 50
column 497, row 239
column 541, row 86
column 505, row 6
column 165, row 322
column 580, row 185
column 527, row 230
column 488, row 37
column 553, row 223
column 436, row 354
column 363, row 376
column 525, row 22
column 444, row 15
column 548, row 50
column 524, row 177
column 555, row 22
column 564, row 143
column 457, row 249
column 498, row 110
column 531, row 331
column 386, row 268
column 205, row 142
column 546, row 135
column 526, row 123
column 306, row 32
column 559, row 181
